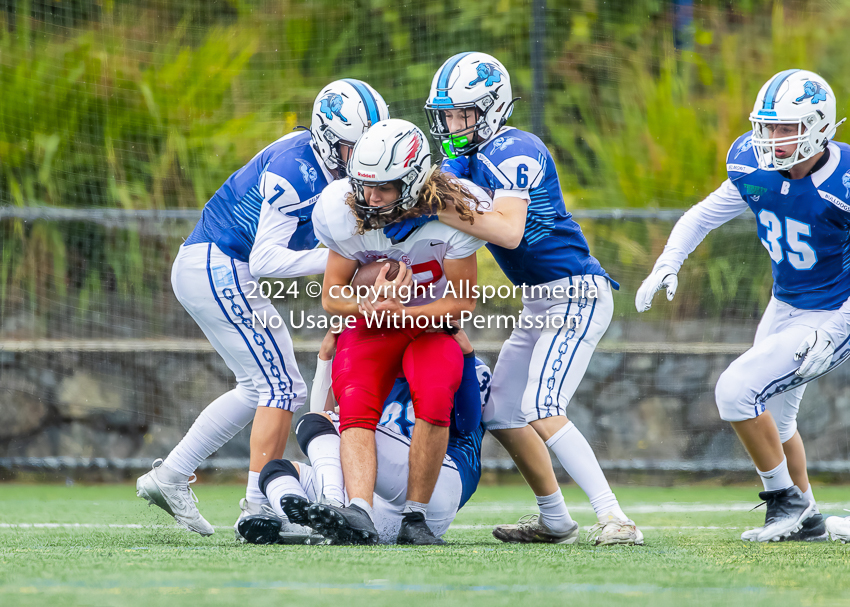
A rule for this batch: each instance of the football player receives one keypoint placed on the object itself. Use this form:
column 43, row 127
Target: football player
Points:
column 536, row 243
column 258, row 224
column 292, row 487
column 390, row 178
column 794, row 179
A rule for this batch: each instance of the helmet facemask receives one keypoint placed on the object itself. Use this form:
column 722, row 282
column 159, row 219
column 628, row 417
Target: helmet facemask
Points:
column 375, row 218
column 334, row 159
column 465, row 141
column 811, row 138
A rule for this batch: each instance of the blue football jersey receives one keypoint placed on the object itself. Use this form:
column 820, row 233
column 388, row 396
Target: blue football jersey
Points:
column 553, row 246
column 803, row 223
column 464, row 449
column 287, row 174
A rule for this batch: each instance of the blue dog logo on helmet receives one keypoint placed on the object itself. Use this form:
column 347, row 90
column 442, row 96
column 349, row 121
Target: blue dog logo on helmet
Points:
column 812, row 90
column 744, row 146
column 308, row 173
column 845, row 181
column 487, row 73
column 331, row 106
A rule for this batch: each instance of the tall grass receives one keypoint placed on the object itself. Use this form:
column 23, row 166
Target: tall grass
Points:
column 153, row 105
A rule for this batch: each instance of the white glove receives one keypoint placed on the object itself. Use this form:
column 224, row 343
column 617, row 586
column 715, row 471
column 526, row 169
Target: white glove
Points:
column 659, row 279
column 816, row 353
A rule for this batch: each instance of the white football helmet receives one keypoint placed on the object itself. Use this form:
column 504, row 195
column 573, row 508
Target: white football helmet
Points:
column 796, row 97
column 391, row 151
column 469, row 80
column 341, row 114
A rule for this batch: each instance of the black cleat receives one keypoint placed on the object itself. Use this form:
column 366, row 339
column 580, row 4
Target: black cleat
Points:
column 342, row 525
column 260, row 529
column 787, row 512
column 415, row 531
column 295, row 508
column 813, row 530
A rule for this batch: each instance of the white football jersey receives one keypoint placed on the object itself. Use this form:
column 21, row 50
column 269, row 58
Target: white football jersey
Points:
column 423, row 251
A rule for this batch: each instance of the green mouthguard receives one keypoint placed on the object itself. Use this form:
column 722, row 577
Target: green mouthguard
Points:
column 454, row 143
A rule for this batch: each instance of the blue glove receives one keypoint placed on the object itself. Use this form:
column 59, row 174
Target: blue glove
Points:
column 401, row 229
column 459, row 167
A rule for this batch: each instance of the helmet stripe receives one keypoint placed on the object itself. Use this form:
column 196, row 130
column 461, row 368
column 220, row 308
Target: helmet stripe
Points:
column 443, row 82
column 372, row 111
column 770, row 95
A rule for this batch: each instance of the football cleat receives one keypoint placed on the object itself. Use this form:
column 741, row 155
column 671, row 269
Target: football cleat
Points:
column 614, row 531
column 838, row 528
column 295, row 508
column 267, row 528
column 787, row 511
column 813, row 530
column 414, row 531
column 248, row 509
column 178, row 500
column 530, row 529
column 342, row 525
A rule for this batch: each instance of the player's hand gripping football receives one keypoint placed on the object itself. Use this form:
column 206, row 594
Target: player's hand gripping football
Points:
column 816, row 353
column 659, row 279
column 390, row 292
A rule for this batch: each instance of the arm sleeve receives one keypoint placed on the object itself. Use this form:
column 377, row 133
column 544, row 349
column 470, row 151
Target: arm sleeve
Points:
column 722, row 205
column 271, row 255
column 467, row 409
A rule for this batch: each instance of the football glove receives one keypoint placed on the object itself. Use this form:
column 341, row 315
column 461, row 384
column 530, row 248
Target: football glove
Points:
column 816, row 353
column 659, row 279
column 401, row 229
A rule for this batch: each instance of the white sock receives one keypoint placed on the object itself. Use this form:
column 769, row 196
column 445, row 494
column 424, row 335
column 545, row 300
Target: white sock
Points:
column 172, row 477
column 776, row 479
column 811, row 496
column 252, row 492
column 410, row 506
column 280, row 486
column 577, row 457
column 218, row 423
column 321, row 385
column 554, row 513
column 363, row 505
column 323, row 452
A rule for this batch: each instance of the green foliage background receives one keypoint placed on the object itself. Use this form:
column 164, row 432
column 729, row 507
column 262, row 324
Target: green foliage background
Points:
column 152, row 104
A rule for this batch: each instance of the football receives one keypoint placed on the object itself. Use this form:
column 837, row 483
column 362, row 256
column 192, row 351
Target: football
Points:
column 367, row 274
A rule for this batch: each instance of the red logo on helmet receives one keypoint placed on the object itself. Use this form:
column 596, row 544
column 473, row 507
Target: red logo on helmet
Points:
column 413, row 150
column 366, row 175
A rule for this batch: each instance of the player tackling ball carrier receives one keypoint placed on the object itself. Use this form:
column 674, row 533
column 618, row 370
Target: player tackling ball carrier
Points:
column 536, row 243
column 258, row 224
column 796, row 181
column 391, row 177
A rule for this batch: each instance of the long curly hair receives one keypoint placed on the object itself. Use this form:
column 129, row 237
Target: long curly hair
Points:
column 440, row 191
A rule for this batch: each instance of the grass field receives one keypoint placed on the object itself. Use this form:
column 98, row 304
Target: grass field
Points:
column 124, row 553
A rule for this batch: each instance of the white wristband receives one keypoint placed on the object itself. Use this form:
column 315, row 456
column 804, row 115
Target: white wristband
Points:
column 321, row 385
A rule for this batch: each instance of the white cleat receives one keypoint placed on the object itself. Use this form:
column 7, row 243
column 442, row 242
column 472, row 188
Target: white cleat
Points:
column 615, row 531
column 838, row 528
column 178, row 500
column 751, row 535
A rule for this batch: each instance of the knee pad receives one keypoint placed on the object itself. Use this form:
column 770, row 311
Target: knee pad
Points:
column 727, row 395
column 310, row 426
column 787, row 430
column 275, row 469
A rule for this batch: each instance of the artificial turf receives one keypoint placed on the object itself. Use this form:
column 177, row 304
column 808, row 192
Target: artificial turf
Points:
column 125, row 553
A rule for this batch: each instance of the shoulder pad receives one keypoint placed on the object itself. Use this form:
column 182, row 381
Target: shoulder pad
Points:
column 332, row 216
column 297, row 164
column 741, row 158
column 511, row 142
column 836, row 187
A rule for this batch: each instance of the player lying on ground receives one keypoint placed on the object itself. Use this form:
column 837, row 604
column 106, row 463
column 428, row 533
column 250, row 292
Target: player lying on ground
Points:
column 390, row 178
column 535, row 242
column 797, row 184
column 292, row 487
column 258, row 224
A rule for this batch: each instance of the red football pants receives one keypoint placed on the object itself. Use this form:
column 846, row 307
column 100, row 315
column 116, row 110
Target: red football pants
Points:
column 368, row 361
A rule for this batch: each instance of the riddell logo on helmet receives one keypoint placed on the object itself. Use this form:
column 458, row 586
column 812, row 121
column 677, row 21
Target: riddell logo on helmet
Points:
column 366, row 175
